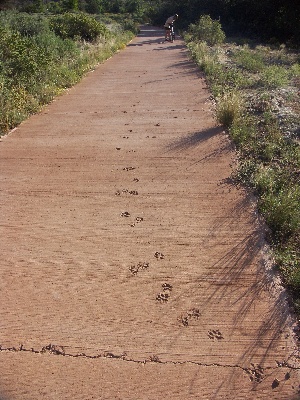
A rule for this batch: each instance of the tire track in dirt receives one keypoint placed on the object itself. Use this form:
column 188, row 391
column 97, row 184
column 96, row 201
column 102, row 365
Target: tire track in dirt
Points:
column 122, row 239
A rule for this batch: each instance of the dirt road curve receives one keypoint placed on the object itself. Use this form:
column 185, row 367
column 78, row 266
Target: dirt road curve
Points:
column 130, row 267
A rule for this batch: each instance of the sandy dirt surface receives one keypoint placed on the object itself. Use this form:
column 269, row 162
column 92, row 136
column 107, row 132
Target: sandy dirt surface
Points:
column 131, row 268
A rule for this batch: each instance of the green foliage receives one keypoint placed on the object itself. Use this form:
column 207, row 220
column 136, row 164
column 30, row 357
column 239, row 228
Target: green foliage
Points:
column 282, row 211
column 33, row 6
column 269, row 160
column 29, row 25
column 295, row 70
column 79, row 25
column 265, row 180
column 249, row 60
column 94, row 7
column 24, row 23
column 289, row 265
column 275, row 76
column 36, row 67
column 244, row 133
column 220, row 77
column 207, row 30
column 19, row 55
column 276, row 21
column 69, row 5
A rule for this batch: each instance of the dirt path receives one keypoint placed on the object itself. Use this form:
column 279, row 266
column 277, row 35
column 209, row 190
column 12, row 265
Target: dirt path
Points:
column 130, row 267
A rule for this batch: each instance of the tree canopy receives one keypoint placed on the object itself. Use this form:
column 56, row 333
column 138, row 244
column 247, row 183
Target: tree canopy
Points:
column 277, row 20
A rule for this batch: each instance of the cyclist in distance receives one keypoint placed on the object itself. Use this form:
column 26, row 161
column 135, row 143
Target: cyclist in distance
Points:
column 169, row 27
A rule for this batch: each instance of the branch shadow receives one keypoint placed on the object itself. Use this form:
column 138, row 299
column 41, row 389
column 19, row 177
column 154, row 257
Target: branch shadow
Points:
column 152, row 35
column 194, row 139
column 233, row 267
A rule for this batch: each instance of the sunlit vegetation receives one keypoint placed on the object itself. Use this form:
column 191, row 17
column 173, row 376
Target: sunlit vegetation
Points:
column 256, row 92
column 43, row 55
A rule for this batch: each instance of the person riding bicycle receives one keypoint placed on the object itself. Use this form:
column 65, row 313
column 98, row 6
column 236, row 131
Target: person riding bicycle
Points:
column 169, row 26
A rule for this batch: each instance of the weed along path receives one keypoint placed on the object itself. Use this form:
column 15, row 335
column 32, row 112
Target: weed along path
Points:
column 131, row 268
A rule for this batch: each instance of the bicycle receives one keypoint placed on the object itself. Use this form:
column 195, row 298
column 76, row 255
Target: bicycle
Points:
column 170, row 33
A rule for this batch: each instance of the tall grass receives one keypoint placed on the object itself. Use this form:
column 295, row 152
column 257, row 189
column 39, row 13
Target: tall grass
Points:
column 229, row 108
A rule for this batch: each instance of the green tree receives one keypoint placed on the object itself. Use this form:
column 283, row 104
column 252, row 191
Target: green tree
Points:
column 69, row 5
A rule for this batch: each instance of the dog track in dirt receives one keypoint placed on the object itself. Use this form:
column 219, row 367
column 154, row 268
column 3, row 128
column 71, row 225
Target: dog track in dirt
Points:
column 215, row 334
column 192, row 314
column 155, row 171
column 141, row 266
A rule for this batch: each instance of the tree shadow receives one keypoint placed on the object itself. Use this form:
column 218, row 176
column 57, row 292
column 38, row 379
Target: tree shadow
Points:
column 155, row 36
column 245, row 275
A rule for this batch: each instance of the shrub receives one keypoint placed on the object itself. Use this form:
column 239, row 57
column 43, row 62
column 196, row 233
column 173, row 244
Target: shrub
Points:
column 207, row 30
column 79, row 25
column 274, row 76
column 18, row 55
column 229, row 108
column 29, row 24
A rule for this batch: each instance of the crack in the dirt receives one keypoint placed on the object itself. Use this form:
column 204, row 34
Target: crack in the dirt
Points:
column 256, row 373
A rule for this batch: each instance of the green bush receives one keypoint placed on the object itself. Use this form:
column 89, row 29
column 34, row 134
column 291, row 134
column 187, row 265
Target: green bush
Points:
column 36, row 67
column 29, row 24
column 275, row 76
column 18, row 55
column 82, row 26
column 25, row 24
column 207, row 30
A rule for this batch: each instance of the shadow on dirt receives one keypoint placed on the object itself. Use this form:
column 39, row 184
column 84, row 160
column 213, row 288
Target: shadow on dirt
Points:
column 147, row 42
column 170, row 47
column 148, row 31
column 194, row 139
column 155, row 36
column 2, row 397
column 228, row 275
column 244, row 274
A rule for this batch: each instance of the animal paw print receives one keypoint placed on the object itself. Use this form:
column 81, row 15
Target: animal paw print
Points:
column 128, row 168
column 53, row 349
column 154, row 358
column 134, row 269
column 167, row 286
column 125, row 214
column 137, row 221
column 256, row 373
column 163, row 297
column 193, row 313
column 126, row 191
column 159, row 255
column 215, row 334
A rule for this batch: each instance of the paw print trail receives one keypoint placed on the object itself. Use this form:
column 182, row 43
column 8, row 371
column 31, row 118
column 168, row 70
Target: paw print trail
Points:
column 128, row 259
